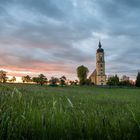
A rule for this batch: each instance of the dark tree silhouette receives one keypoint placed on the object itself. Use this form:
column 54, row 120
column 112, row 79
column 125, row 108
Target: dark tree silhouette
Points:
column 53, row 81
column 82, row 72
column 113, row 81
column 125, row 83
column 63, row 81
column 35, row 80
column 138, row 80
column 26, row 79
column 42, row 79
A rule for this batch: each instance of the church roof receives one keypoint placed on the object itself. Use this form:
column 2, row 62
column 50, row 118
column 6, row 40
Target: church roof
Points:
column 100, row 48
column 93, row 74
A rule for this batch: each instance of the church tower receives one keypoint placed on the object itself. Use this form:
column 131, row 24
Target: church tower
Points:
column 98, row 76
column 100, row 66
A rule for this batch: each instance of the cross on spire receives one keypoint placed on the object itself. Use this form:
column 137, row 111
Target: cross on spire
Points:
column 100, row 45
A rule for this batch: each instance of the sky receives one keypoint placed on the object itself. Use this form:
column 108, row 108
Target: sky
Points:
column 54, row 37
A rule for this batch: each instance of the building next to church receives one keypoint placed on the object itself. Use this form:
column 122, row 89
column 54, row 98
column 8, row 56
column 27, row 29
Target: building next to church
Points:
column 125, row 78
column 98, row 76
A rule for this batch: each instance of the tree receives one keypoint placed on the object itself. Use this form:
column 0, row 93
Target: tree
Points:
column 82, row 72
column 53, row 81
column 138, row 80
column 113, row 81
column 35, row 80
column 3, row 76
column 125, row 83
column 26, row 78
column 63, row 81
column 13, row 79
column 42, row 79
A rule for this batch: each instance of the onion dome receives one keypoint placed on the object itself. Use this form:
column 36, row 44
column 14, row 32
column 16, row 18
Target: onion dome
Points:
column 100, row 48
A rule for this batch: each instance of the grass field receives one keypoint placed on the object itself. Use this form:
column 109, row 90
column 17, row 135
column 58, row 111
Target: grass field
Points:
column 75, row 113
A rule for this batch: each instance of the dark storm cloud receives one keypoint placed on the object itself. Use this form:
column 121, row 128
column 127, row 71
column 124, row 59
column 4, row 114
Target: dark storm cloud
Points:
column 67, row 32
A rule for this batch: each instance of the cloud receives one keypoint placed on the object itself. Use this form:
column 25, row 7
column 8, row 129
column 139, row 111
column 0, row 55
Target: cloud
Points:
column 63, row 34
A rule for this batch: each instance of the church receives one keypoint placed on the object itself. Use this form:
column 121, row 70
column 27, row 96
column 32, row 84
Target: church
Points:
column 98, row 76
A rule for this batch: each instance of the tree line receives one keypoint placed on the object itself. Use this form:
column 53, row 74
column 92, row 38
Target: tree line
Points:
column 40, row 79
column 82, row 74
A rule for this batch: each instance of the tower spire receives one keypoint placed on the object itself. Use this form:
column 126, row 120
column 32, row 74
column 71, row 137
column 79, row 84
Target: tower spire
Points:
column 100, row 45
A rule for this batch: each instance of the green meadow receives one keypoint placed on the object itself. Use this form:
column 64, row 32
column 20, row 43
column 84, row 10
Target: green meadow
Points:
column 74, row 113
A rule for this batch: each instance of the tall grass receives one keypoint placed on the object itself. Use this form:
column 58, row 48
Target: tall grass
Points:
column 35, row 112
